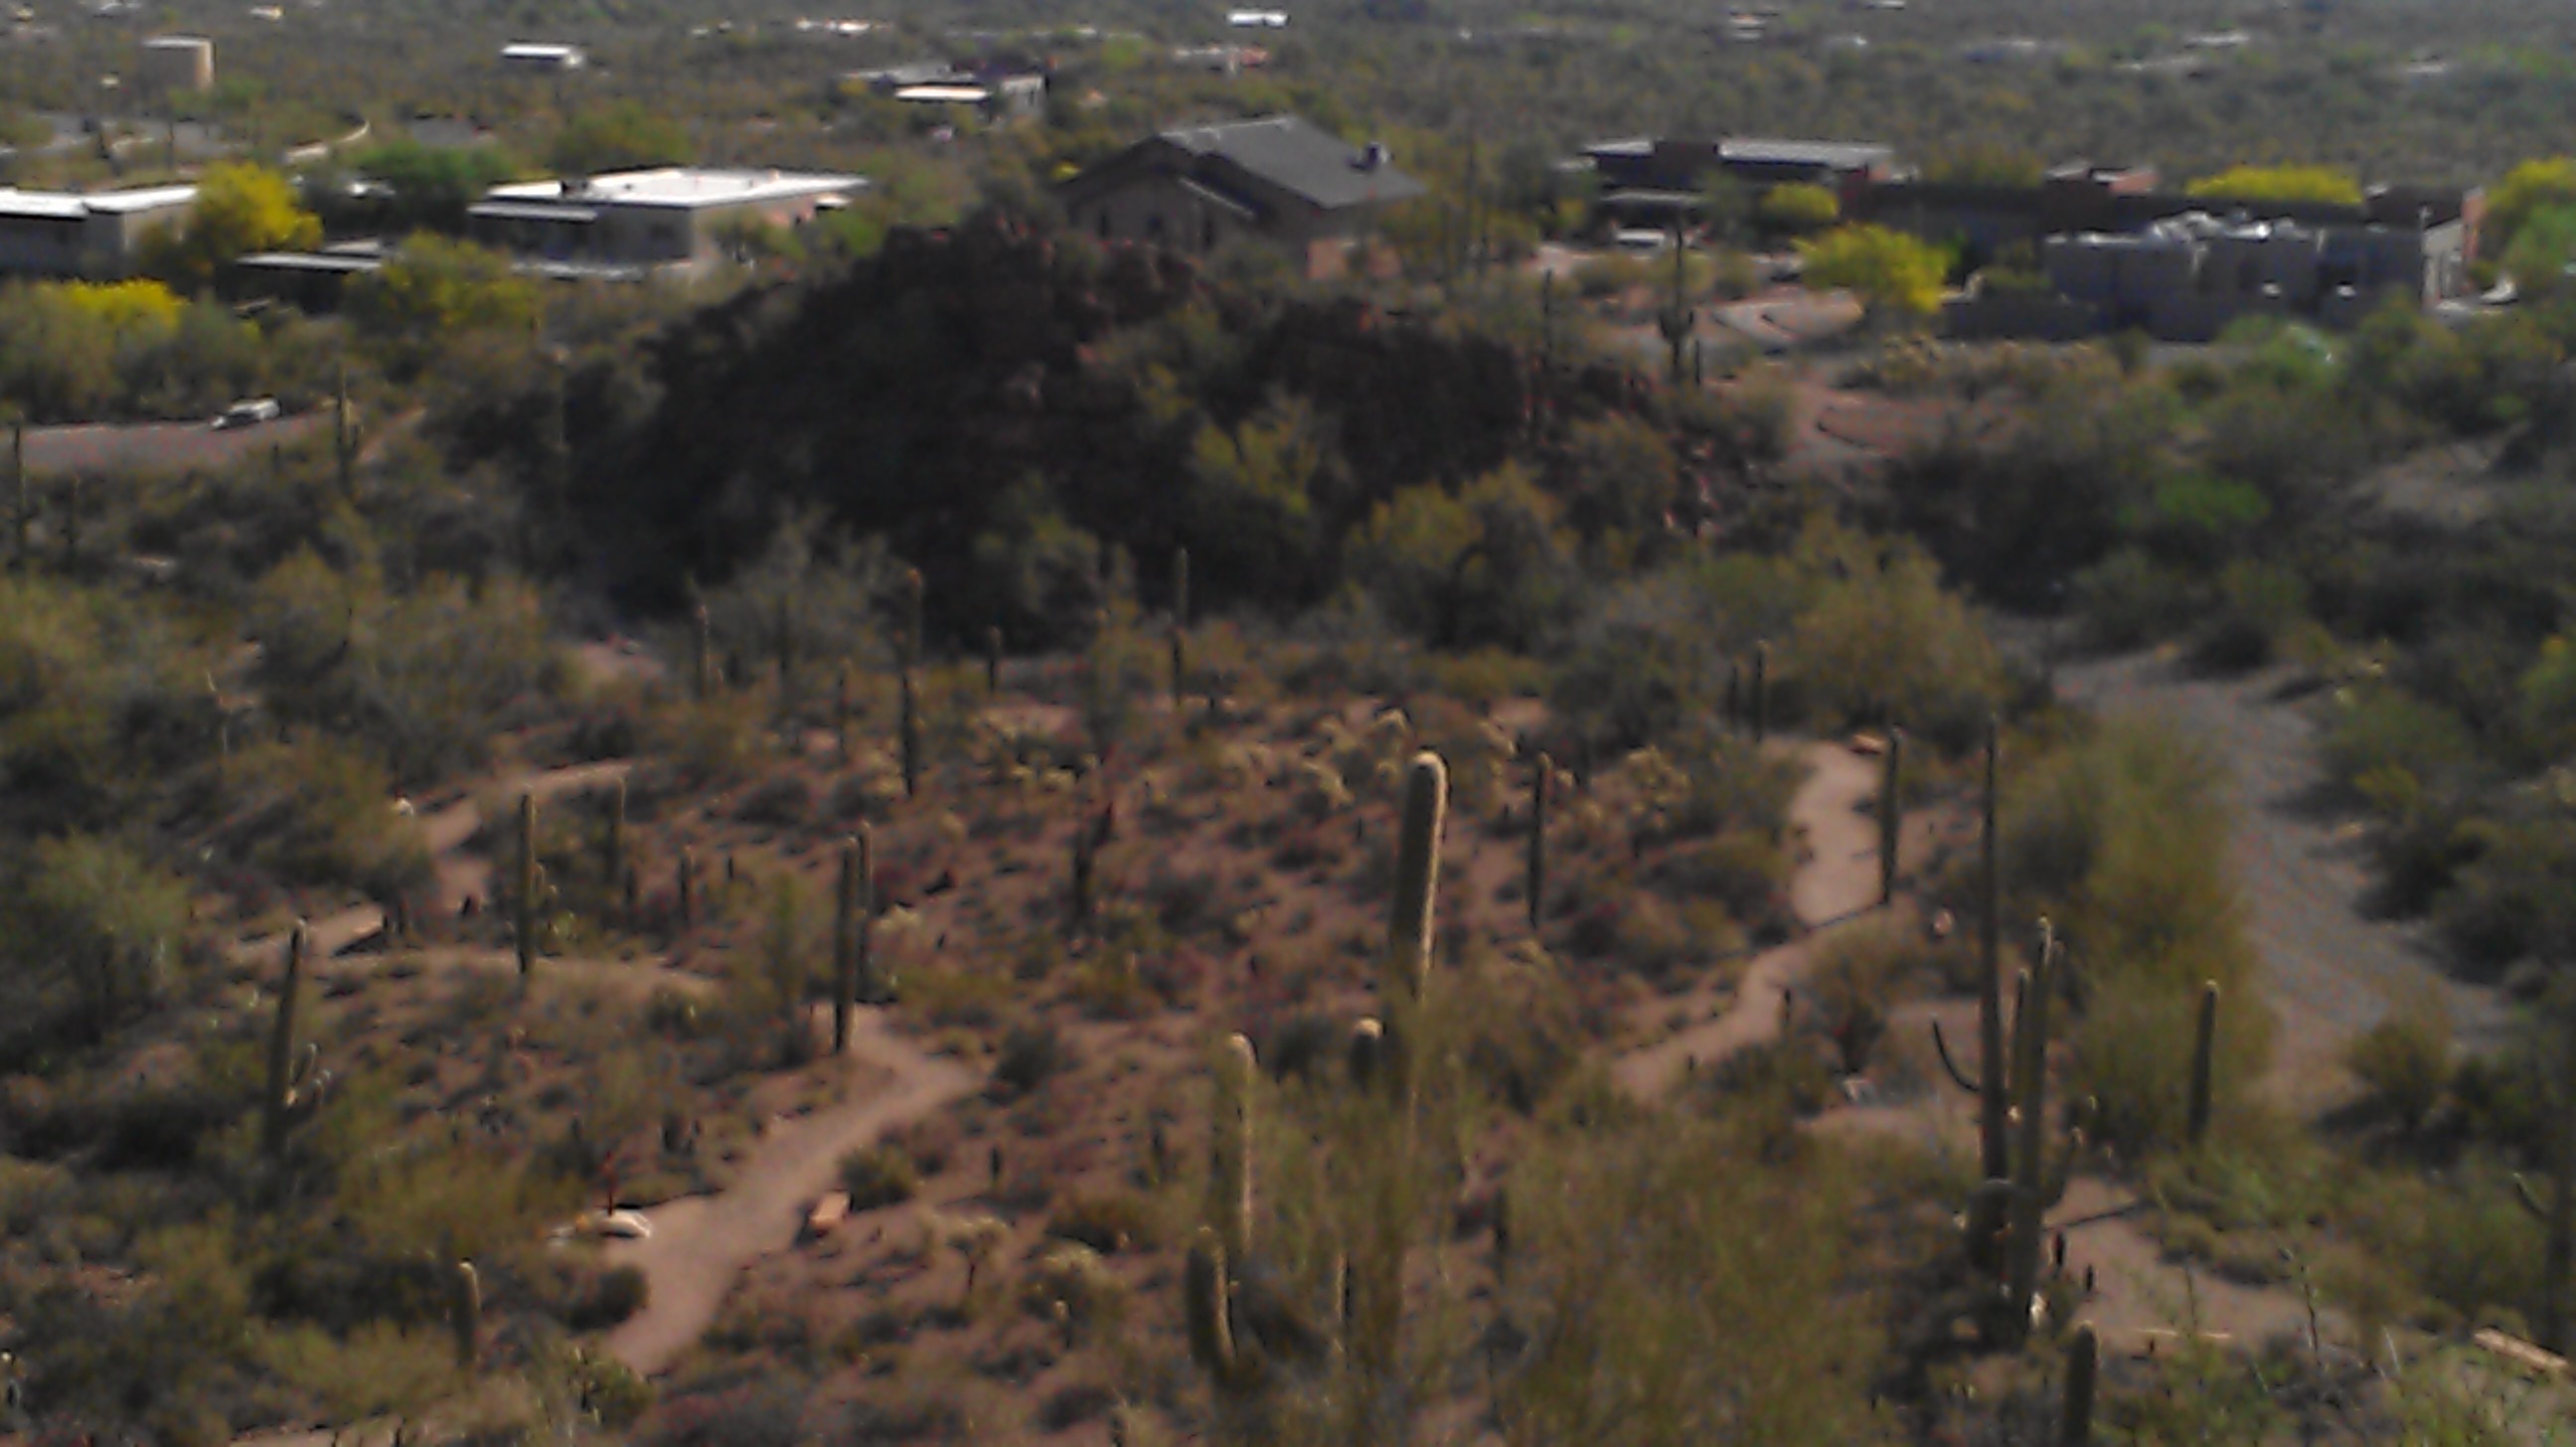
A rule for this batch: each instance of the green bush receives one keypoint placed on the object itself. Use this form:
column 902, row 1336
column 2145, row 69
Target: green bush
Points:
column 2404, row 1061
column 878, row 1175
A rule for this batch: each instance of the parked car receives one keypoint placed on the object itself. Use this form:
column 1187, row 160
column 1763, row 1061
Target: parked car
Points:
column 249, row 412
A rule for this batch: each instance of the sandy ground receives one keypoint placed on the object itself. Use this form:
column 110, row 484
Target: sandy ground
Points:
column 157, row 446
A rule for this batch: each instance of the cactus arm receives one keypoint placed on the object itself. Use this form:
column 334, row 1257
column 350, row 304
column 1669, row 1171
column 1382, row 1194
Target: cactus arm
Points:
column 1958, row 1077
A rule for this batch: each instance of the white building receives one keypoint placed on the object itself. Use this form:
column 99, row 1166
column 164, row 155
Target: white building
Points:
column 97, row 237
column 670, row 219
column 546, row 59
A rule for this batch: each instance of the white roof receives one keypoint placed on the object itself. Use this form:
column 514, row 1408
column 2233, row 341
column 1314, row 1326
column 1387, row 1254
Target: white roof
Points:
column 952, row 94
column 72, row 205
column 683, row 187
column 178, row 42
column 527, row 50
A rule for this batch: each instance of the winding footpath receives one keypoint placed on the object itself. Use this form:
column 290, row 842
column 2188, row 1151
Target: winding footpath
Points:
column 701, row 1245
column 1837, row 882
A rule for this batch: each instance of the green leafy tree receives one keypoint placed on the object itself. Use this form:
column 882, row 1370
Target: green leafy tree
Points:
column 2526, row 190
column 1893, row 273
column 2279, row 183
column 1798, row 208
column 2541, row 249
column 617, row 138
column 241, row 208
column 433, row 291
column 432, row 185
column 97, row 930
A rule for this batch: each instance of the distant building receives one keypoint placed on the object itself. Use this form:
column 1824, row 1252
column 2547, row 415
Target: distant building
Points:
column 96, row 237
column 995, row 93
column 669, row 220
column 1277, row 179
column 2187, row 277
column 543, row 59
column 176, row 65
column 1656, row 182
column 1257, row 19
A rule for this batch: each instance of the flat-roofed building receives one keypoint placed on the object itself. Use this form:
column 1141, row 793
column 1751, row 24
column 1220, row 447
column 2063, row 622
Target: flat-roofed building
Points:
column 543, row 58
column 1278, row 179
column 97, row 237
column 671, row 218
column 176, row 65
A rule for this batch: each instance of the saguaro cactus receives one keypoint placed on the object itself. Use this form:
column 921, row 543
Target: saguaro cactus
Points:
column 993, row 661
column 873, row 986
column 2558, row 1217
column 1180, row 626
column 1208, row 1308
column 841, row 713
column 1992, row 1107
column 524, row 909
column 2083, row 1361
column 908, row 728
column 1891, row 815
column 2204, row 1046
column 465, row 1315
column 1230, row 1149
column 2030, row 1192
column 281, row 1046
column 1417, row 893
column 845, row 945
column 701, row 654
column 1542, row 784
column 1761, row 691
column 686, row 887
column 914, row 595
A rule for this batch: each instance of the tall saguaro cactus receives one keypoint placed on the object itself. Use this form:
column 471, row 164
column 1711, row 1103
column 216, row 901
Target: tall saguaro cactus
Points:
column 465, row 1314
column 1891, row 815
column 2030, row 1192
column 846, row 904
column 685, row 885
column 993, row 661
column 1230, row 1149
column 2083, row 1361
column 1993, row 1110
column 2204, row 1050
column 1761, row 691
column 915, row 594
column 281, row 1047
column 701, row 654
column 524, row 911
column 2558, row 1216
column 908, row 732
column 1417, row 893
column 1542, row 784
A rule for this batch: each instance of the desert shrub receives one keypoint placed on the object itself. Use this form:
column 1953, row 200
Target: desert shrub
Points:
column 93, row 931
column 1852, row 986
column 2129, row 598
column 2385, row 742
column 618, row 1293
column 2465, row 1242
column 712, row 740
column 2258, row 607
column 779, row 803
column 879, row 1175
column 1107, row 1221
column 1070, row 1406
column 319, row 813
column 2404, row 1061
column 1747, row 1300
column 2509, row 899
column 1742, row 870
column 2122, row 840
column 1030, row 1054
column 1881, row 640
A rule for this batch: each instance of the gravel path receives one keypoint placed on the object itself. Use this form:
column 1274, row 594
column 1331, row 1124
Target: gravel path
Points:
column 2328, row 969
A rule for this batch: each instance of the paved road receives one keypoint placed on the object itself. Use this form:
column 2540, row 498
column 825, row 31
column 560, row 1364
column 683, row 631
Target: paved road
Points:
column 96, row 447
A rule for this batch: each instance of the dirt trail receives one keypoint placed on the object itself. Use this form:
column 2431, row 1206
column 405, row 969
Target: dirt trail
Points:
column 701, row 1245
column 446, row 832
column 1839, row 882
column 2328, row 969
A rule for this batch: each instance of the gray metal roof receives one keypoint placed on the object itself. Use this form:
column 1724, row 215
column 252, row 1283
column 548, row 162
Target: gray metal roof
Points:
column 1301, row 159
column 1841, row 155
